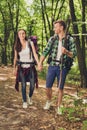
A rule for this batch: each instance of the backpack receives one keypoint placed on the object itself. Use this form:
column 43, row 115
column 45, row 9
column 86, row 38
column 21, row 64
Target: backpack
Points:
column 34, row 40
column 69, row 60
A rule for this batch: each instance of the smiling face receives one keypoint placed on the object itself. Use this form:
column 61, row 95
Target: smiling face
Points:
column 58, row 28
column 21, row 34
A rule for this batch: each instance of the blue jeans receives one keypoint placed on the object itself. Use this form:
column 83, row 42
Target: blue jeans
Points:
column 23, row 83
column 53, row 72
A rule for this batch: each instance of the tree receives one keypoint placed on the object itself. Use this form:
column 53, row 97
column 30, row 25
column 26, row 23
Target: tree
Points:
column 7, row 12
column 80, row 41
column 11, row 16
column 50, row 13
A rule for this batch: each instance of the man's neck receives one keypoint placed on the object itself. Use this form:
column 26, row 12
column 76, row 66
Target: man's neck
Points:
column 61, row 35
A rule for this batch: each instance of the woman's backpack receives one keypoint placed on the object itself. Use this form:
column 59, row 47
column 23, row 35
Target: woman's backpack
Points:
column 34, row 40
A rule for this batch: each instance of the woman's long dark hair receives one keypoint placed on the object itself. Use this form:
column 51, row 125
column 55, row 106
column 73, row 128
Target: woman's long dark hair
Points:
column 18, row 45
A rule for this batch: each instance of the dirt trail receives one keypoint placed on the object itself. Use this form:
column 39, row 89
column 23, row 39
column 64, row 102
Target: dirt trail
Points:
column 14, row 117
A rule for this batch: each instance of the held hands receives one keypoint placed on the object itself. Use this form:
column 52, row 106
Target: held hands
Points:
column 40, row 67
column 40, row 64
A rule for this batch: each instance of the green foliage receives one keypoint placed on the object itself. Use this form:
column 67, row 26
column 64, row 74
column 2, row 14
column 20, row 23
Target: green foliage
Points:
column 72, row 114
column 73, row 76
column 78, row 102
column 84, row 126
column 75, row 108
column 42, row 74
column 15, row 14
column 12, row 13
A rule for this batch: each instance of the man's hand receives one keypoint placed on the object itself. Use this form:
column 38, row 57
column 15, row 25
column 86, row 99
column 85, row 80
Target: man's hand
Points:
column 40, row 64
column 68, row 53
column 64, row 50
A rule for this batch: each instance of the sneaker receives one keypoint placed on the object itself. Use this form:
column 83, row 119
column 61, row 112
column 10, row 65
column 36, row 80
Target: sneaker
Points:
column 24, row 104
column 29, row 100
column 59, row 110
column 47, row 106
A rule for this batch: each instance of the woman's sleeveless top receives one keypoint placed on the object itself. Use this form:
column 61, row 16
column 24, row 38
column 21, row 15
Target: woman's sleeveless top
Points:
column 26, row 56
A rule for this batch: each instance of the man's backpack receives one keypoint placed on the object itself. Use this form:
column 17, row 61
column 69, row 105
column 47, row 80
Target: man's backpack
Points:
column 34, row 40
column 69, row 60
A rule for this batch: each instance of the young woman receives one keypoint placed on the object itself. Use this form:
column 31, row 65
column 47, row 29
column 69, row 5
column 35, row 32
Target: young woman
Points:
column 24, row 67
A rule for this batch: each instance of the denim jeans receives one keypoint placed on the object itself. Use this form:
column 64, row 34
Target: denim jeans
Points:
column 23, row 83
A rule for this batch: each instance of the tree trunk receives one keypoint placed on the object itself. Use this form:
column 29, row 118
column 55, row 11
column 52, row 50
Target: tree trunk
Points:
column 43, row 18
column 4, row 56
column 80, row 56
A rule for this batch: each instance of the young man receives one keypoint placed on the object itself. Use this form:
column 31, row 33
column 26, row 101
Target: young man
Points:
column 55, row 47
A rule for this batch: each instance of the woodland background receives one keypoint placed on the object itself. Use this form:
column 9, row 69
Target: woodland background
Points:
column 37, row 17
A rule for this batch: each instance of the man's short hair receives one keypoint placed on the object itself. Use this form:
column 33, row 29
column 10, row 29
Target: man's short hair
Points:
column 61, row 22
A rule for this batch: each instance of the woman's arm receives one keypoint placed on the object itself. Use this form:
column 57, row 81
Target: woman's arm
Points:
column 34, row 53
column 14, row 63
column 15, row 59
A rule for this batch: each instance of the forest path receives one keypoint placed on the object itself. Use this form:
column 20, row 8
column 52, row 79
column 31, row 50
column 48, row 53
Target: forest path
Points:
column 14, row 117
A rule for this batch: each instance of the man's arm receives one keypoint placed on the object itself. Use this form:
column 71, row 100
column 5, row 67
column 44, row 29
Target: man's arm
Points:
column 72, row 49
column 42, row 58
column 67, row 52
column 40, row 66
column 45, row 53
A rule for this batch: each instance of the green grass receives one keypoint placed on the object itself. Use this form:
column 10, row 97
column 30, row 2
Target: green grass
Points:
column 84, row 126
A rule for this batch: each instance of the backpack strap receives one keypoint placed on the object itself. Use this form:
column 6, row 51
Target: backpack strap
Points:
column 29, row 45
column 31, row 52
column 67, row 40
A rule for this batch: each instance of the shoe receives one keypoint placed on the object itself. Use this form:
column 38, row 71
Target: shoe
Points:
column 29, row 100
column 84, row 101
column 24, row 104
column 47, row 105
column 59, row 110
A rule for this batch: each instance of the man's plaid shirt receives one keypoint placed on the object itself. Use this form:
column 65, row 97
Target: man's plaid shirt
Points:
column 52, row 46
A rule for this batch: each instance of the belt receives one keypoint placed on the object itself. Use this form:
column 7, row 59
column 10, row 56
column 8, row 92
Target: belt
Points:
column 58, row 61
column 19, row 62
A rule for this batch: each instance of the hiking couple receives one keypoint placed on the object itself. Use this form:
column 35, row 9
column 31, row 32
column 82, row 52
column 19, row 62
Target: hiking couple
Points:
column 57, row 68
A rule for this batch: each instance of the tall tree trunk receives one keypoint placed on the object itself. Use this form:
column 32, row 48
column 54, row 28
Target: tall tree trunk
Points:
column 43, row 18
column 80, row 56
column 4, row 56
column 15, row 28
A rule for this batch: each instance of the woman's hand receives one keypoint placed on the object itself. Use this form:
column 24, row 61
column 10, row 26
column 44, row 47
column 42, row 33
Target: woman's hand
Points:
column 40, row 67
column 15, row 71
